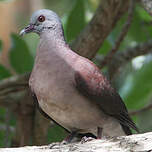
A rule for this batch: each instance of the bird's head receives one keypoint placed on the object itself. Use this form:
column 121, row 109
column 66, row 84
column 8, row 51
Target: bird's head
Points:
column 42, row 20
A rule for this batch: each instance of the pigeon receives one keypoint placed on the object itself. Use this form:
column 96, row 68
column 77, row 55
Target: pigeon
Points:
column 70, row 89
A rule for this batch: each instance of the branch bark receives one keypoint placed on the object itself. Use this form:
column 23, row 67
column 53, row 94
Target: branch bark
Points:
column 24, row 112
column 104, row 20
column 146, row 108
column 133, row 143
column 125, row 56
column 40, row 131
column 121, row 36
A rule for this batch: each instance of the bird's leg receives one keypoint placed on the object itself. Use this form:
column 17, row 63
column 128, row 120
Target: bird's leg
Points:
column 69, row 138
column 99, row 132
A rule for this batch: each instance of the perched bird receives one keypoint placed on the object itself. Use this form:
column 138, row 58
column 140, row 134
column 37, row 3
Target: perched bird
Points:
column 69, row 88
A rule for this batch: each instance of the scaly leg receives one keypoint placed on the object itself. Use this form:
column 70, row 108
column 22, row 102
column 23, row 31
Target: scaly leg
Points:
column 99, row 133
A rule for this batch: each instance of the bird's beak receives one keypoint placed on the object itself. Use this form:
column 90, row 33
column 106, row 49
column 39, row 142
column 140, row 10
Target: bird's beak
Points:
column 27, row 29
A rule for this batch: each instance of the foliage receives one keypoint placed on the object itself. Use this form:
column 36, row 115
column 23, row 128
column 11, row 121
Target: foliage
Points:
column 76, row 20
column 4, row 73
column 140, row 92
column 56, row 134
column 20, row 57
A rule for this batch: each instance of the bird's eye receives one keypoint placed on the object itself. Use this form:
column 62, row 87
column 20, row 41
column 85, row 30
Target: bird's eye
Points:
column 41, row 18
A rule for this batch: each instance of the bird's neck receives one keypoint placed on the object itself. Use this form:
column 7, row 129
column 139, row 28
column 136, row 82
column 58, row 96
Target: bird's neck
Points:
column 56, row 46
column 55, row 38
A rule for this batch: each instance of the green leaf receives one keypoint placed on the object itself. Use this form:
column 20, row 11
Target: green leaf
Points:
column 139, row 87
column 4, row 73
column 106, row 46
column 143, row 14
column 20, row 57
column 32, row 41
column 76, row 20
column 56, row 133
column 145, row 117
column 139, row 31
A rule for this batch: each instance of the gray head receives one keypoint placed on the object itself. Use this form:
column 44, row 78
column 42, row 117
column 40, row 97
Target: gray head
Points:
column 42, row 20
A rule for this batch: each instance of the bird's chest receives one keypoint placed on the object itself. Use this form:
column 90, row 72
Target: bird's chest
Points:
column 54, row 92
column 52, row 81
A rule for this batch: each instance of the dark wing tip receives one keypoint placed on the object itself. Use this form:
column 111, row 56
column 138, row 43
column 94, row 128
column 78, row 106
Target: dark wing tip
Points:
column 125, row 120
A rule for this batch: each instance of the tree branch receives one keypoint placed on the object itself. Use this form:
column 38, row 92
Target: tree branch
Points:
column 24, row 112
column 40, row 131
column 12, row 90
column 105, row 18
column 125, row 56
column 15, row 81
column 121, row 36
column 7, row 130
column 148, row 107
column 133, row 143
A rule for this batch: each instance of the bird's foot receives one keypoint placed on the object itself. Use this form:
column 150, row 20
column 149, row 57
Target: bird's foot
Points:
column 86, row 139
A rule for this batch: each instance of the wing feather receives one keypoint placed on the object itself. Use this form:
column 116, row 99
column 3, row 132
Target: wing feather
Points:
column 93, row 85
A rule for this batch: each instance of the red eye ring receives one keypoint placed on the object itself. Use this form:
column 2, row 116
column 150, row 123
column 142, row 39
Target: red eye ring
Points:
column 41, row 18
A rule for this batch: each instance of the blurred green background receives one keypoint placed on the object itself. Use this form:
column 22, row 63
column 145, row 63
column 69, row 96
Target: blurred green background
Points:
column 134, row 80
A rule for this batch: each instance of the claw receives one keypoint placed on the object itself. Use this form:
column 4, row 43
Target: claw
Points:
column 86, row 139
